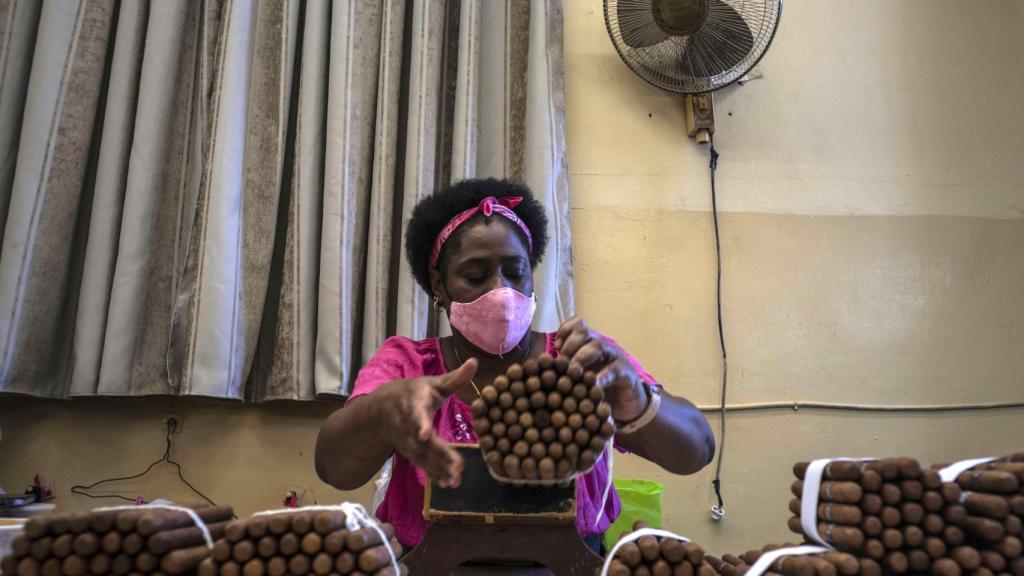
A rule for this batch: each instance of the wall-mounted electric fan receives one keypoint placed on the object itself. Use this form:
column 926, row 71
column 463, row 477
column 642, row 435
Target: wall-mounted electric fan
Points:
column 692, row 46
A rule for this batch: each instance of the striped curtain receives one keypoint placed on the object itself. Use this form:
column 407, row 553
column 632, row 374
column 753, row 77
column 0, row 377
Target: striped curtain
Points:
column 207, row 197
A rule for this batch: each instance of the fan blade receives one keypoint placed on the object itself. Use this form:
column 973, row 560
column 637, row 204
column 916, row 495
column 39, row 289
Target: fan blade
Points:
column 636, row 24
column 721, row 43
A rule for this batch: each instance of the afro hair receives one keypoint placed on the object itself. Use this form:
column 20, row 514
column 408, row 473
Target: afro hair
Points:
column 432, row 213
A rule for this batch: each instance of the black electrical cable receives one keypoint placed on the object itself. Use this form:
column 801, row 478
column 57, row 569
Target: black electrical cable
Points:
column 172, row 424
column 717, row 482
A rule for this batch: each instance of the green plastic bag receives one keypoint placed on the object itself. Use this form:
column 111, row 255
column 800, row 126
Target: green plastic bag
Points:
column 641, row 500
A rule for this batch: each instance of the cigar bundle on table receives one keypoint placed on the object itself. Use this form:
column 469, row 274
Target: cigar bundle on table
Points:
column 825, row 564
column 143, row 541
column 303, row 542
column 984, row 510
column 542, row 421
column 656, row 556
column 890, row 511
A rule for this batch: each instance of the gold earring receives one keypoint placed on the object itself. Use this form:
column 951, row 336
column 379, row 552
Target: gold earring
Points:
column 437, row 305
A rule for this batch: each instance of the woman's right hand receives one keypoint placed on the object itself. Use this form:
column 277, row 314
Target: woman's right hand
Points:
column 407, row 413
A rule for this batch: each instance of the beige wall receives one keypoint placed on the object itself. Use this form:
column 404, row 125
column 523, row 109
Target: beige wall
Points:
column 873, row 191
column 872, row 185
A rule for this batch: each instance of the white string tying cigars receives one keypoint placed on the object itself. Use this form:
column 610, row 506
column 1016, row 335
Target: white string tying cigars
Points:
column 191, row 514
column 636, row 536
column 355, row 518
column 950, row 473
column 766, row 560
column 608, row 454
column 809, row 497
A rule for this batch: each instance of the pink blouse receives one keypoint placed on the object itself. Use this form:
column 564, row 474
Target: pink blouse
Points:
column 400, row 358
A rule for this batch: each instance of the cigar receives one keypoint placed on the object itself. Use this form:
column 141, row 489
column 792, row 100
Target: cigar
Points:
column 162, row 542
column 345, row 563
column 254, row 567
column 844, row 537
column 991, row 481
column 266, row 547
column 966, row 556
column 40, row 548
column 256, row 528
column 74, row 565
column 953, row 535
column 896, row 562
column 86, row 544
column 630, row 554
column 312, row 544
column 935, row 547
column 100, row 563
column 361, row 539
column 891, row 494
column 373, row 559
column 302, row 522
column 230, row 568
column 121, row 564
column 277, row 566
column 984, row 528
column 988, row 505
column 1010, row 547
column 323, row 563
column 147, row 562
column 871, row 504
column 127, row 520
column 299, row 564
column 945, row 567
column 221, row 551
column 918, row 560
column 133, row 543
column 992, row 560
column 835, row 513
column 846, row 564
column 838, row 492
column 279, row 524
column 185, row 559
column 157, row 520
column 821, row 567
column 835, row 470
column 289, row 544
column 62, row 545
column 207, row 567
column 649, row 549
column 243, row 551
column 326, row 522
column 913, row 536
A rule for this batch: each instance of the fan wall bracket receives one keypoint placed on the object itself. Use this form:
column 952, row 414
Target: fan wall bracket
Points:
column 700, row 116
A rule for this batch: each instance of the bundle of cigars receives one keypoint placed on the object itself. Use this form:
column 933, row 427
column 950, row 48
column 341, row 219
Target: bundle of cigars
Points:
column 652, row 555
column 833, row 563
column 129, row 541
column 302, row 542
column 989, row 513
column 903, row 517
column 542, row 422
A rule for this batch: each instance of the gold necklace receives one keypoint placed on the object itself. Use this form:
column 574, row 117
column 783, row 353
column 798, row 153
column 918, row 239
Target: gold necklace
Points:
column 459, row 359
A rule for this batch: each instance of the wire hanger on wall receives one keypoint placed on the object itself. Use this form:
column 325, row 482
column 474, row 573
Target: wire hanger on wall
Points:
column 172, row 425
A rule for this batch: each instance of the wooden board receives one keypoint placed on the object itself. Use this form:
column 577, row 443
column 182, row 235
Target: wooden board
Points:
column 481, row 499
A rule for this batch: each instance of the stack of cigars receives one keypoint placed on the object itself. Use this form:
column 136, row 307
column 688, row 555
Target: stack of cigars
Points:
column 131, row 541
column 542, row 422
column 302, row 542
column 651, row 555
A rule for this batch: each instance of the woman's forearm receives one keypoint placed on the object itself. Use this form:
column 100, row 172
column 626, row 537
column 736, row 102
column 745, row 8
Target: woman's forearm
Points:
column 351, row 446
column 679, row 439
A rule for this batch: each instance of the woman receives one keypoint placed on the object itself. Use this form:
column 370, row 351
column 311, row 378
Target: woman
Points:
column 473, row 248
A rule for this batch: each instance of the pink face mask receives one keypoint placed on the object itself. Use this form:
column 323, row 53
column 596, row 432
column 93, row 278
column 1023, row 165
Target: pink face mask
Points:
column 496, row 321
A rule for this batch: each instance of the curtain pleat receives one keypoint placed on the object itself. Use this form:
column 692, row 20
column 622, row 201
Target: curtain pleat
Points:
column 427, row 36
column 61, row 106
column 545, row 168
column 19, row 20
column 352, row 92
column 383, row 241
column 208, row 197
column 108, row 198
column 291, row 338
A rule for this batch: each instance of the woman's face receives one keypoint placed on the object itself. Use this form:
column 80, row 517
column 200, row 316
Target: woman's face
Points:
column 480, row 257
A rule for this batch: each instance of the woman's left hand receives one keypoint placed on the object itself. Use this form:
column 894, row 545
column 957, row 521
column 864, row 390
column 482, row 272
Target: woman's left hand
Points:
column 586, row 350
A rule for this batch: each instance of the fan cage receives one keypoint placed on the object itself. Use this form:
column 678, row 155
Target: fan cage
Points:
column 691, row 84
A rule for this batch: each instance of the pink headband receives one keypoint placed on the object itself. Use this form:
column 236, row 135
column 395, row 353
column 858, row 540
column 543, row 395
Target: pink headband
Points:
column 488, row 206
